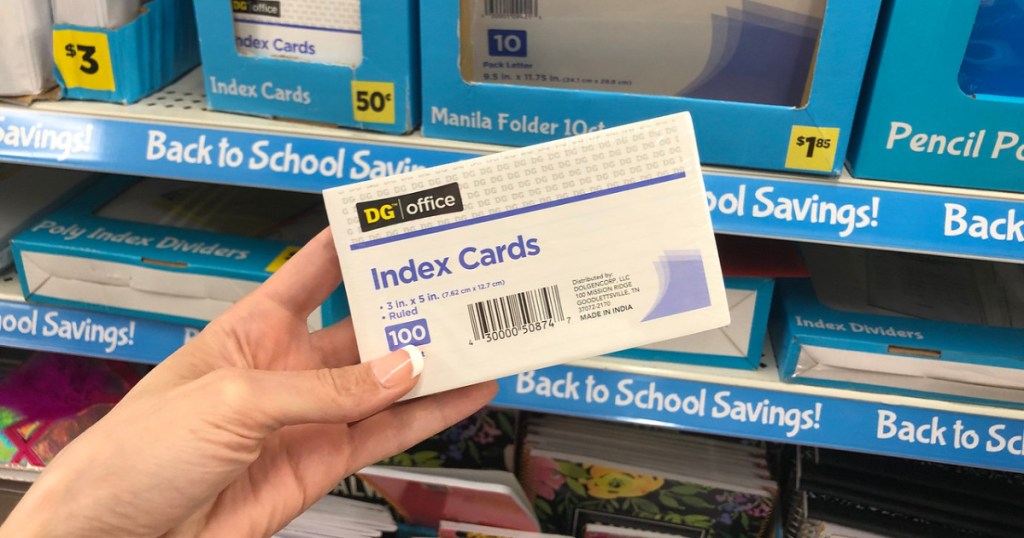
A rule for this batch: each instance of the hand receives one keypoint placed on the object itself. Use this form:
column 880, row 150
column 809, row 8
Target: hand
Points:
column 244, row 427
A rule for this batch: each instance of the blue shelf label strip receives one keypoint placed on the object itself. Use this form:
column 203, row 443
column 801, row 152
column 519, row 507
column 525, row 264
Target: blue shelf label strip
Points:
column 957, row 438
column 201, row 153
column 89, row 333
column 862, row 216
column 801, row 210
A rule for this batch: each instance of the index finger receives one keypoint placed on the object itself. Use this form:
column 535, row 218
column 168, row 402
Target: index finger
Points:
column 307, row 279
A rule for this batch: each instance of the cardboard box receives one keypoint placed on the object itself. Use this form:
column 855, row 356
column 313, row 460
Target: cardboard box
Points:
column 26, row 66
column 727, row 59
column 737, row 345
column 943, row 101
column 129, row 62
column 750, row 266
column 818, row 345
column 96, row 13
column 166, row 250
column 349, row 63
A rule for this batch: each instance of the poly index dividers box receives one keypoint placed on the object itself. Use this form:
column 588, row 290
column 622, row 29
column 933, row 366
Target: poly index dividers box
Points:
column 84, row 257
column 818, row 345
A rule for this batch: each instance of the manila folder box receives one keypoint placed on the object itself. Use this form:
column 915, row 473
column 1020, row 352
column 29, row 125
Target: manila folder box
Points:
column 533, row 257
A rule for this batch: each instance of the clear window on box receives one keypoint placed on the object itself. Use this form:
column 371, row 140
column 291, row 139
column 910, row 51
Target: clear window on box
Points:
column 994, row 60
column 753, row 51
column 293, row 217
column 317, row 31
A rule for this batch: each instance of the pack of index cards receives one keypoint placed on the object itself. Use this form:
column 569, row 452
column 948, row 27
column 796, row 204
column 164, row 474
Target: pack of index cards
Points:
column 535, row 256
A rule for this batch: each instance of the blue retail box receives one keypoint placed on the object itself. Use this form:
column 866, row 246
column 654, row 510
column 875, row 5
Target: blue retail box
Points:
column 818, row 345
column 750, row 266
column 737, row 345
column 808, row 135
column 263, row 57
column 125, row 64
column 943, row 98
column 104, row 250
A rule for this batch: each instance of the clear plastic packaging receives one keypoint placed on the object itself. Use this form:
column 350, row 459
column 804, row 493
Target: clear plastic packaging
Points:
column 319, row 31
column 994, row 60
column 26, row 66
column 109, row 14
column 732, row 50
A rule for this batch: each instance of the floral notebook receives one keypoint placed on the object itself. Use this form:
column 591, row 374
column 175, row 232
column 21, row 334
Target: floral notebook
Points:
column 486, row 440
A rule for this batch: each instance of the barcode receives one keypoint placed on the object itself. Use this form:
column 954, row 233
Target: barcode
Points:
column 511, row 9
column 514, row 311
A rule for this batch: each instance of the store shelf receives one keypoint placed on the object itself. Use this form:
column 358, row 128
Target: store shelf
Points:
column 127, row 140
column 751, row 404
column 171, row 135
column 162, row 134
column 757, row 405
column 79, row 332
column 18, row 473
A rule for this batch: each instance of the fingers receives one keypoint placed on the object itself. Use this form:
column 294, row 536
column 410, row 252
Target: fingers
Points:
column 306, row 280
column 336, row 345
column 261, row 402
column 396, row 429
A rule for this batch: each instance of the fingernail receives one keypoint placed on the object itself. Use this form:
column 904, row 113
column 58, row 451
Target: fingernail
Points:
column 398, row 366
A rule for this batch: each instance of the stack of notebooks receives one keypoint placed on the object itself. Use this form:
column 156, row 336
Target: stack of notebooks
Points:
column 341, row 518
column 837, row 493
column 591, row 480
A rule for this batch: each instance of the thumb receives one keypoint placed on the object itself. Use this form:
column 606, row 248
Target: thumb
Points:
column 270, row 400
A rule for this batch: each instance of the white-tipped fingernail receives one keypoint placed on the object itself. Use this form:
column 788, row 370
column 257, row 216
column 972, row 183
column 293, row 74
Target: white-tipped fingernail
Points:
column 399, row 366
column 415, row 358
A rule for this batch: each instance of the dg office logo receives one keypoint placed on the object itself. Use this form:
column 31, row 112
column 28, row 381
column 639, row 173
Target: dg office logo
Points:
column 416, row 205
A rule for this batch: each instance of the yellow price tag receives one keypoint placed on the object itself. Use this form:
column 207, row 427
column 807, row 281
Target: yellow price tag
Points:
column 373, row 102
column 284, row 256
column 812, row 148
column 83, row 59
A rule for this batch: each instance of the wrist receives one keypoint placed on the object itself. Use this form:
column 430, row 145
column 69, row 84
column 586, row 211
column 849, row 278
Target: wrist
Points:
column 35, row 515
column 26, row 521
